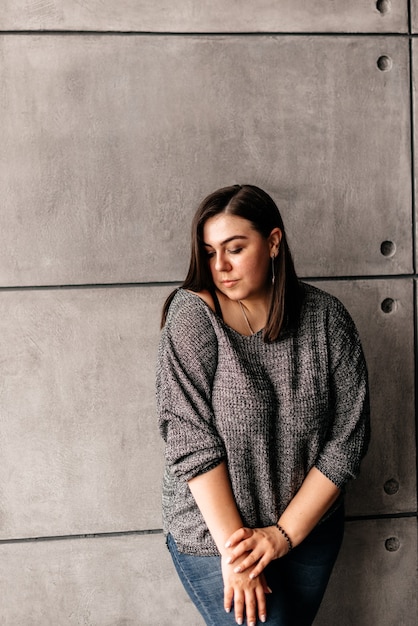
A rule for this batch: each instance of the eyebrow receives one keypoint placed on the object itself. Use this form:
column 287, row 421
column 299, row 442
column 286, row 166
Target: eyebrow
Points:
column 225, row 241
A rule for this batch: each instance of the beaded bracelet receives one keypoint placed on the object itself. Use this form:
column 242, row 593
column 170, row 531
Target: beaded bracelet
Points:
column 286, row 536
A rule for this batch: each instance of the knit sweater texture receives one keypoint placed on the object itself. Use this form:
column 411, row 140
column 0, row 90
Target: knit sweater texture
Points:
column 272, row 411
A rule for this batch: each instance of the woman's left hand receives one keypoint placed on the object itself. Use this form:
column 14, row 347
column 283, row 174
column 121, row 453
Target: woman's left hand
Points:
column 262, row 545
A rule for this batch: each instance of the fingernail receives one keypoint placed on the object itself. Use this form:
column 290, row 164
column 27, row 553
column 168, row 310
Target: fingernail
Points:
column 229, row 559
column 227, row 609
column 228, row 543
column 263, row 618
column 252, row 624
column 239, row 621
column 269, row 590
column 237, row 570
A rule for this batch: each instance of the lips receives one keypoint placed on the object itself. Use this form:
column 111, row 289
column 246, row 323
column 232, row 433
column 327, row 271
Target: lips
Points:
column 229, row 283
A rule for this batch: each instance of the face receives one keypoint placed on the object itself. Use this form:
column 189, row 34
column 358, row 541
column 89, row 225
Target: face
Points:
column 239, row 257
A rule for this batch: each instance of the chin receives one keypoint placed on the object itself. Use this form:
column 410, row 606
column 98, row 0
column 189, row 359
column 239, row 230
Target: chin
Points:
column 230, row 292
column 235, row 294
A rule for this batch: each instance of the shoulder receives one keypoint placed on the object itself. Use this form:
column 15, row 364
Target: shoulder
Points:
column 323, row 308
column 192, row 302
column 321, row 301
column 191, row 314
column 316, row 297
column 189, row 336
column 206, row 296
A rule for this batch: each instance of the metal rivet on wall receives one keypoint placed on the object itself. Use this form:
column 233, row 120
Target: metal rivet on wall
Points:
column 392, row 544
column 391, row 487
column 388, row 248
column 388, row 305
column 384, row 63
column 383, row 6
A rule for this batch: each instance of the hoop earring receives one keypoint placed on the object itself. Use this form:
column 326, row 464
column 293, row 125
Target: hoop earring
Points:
column 273, row 272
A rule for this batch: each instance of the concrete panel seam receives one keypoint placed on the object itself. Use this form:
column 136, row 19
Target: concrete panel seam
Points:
column 263, row 33
column 362, row 518
column 174, row 284
column 122, row 533
column 415, row 293
column 412, row 148
column 158, row 531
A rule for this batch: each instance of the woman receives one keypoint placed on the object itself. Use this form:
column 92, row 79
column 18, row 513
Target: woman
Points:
column 263, row 405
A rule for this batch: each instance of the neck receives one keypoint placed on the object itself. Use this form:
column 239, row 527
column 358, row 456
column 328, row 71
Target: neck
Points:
column 247, row 321
column 254, row 314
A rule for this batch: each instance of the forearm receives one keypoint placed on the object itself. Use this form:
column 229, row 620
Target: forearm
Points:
column 262, row 545
column 312, row 501
column 213, row 495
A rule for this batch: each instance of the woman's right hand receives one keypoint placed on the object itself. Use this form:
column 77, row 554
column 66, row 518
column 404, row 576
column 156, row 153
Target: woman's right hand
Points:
column 248, row 596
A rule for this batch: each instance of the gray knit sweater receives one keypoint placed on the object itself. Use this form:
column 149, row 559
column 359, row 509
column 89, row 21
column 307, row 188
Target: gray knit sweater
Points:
column 272, row 411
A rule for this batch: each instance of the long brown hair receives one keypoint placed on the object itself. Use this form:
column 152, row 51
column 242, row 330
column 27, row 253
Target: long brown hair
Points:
column 256, row 206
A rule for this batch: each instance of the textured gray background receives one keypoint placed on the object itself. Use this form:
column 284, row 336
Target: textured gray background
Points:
column 115, row 119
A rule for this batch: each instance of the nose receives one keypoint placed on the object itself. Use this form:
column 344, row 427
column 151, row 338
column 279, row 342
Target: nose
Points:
column 221, row 263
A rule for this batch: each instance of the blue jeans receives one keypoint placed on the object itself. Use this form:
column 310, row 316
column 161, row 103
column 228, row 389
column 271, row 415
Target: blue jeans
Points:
column 298, row 580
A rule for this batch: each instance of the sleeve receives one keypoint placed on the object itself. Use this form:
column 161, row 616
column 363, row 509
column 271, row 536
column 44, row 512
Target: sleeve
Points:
column 186, row 365
column 349, row 431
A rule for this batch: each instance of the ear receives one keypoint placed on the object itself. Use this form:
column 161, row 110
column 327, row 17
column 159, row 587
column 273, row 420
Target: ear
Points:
column 274, row 240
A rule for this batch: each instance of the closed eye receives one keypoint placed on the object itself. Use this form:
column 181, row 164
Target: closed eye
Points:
column 211, row 253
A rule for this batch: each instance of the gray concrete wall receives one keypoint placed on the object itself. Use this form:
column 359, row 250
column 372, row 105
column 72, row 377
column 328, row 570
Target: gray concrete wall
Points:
column 115, row 119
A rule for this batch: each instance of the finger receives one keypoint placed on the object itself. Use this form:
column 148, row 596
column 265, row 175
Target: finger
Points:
column 237, row 536
column 264, row 584
column 228, row 597
column 261, row 603
column 249, row 561
column 259, row 567
column 239, row 607
column 251, row 608
column 242, row 548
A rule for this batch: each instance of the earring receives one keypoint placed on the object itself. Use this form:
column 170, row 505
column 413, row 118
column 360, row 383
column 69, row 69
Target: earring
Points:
column 273, row 273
